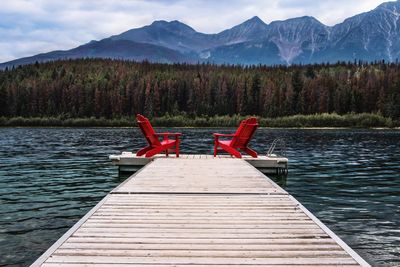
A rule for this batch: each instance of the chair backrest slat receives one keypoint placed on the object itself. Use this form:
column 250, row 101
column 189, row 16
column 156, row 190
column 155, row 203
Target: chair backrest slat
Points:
column 147, row 130
column 244, row 133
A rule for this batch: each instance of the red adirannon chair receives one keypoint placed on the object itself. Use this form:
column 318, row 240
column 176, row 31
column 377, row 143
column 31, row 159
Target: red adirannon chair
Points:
column 239, row 141
column 155, row 146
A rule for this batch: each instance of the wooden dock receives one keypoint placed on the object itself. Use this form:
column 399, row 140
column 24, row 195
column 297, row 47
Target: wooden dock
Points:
column 199, row 212
column 129, row 162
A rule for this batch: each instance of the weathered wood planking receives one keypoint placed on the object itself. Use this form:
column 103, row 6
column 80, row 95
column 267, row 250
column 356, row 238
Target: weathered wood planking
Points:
column 199, row 212
column 128, row 161
column 227, row 176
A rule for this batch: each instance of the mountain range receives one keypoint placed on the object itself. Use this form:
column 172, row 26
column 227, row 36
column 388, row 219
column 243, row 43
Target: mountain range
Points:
column 374, row 35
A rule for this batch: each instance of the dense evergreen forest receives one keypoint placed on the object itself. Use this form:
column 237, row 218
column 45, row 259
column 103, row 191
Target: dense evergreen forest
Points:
column 114, row 89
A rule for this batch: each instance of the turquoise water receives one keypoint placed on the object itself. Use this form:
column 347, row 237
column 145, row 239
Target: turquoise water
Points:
column 50, row 177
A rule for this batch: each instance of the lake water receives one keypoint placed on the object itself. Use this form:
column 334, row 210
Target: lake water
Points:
column 50, row 177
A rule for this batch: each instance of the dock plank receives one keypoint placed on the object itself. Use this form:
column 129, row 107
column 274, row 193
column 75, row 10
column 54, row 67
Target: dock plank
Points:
column 226, row 176
column 199, row 211
column 201, row 260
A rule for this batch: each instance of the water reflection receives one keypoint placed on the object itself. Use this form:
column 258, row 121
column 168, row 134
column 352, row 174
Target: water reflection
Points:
column 49, row 178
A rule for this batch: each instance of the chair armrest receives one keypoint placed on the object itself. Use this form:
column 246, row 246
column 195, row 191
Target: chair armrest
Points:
column 166, row 135
column 218, row 135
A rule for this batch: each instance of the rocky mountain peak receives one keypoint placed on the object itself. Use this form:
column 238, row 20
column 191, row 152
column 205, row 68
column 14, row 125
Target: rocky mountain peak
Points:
column 373, row 35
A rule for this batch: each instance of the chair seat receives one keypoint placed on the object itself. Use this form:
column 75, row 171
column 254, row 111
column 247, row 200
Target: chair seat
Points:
column 225, row 142
column 167, row 142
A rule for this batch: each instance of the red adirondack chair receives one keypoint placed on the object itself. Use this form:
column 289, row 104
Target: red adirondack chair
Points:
column 239, row 141
column 155, row 146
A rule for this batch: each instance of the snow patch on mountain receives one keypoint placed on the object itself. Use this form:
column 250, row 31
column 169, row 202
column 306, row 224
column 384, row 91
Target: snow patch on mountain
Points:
column 205, row 54
column 288, row 51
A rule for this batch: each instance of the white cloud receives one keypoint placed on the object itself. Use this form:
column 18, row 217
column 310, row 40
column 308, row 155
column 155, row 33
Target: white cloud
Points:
column 28, row 27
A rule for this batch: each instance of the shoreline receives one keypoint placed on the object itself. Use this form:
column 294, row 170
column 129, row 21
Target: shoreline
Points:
column 316, row 121
column 203, row 127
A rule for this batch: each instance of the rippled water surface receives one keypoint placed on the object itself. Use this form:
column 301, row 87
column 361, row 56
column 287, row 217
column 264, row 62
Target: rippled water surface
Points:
column 49, row 178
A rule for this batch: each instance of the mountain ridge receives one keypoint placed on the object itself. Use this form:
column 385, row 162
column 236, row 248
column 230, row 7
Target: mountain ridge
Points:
column 369, row 36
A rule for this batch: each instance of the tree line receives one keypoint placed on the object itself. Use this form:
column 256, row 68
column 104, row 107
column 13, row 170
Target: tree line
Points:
column 105, row 88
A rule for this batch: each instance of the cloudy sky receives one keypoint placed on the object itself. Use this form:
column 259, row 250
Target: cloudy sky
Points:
column 29, row 27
